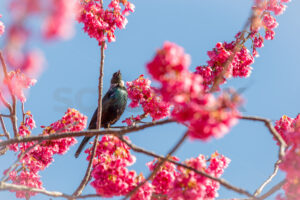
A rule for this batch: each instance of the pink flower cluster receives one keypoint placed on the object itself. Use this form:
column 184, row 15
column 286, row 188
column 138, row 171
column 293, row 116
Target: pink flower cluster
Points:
column 100, row 23
column 26, row 178
column 264, row 18
column 239, row 67
column 16, row 82
column 290, row 130
column 141, row 93
column 179, row 183
column 19, row 56
column 2, row 27
column 165, row 177
column 285, row 126
column 110, row 173
column 204, row 115
column 112, row 178
column 41, row 156
column 59, row 23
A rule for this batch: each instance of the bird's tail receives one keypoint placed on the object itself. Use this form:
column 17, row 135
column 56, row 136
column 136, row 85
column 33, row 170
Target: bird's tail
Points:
column 81, row 146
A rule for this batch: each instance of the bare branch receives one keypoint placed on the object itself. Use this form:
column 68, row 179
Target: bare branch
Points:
column 3, row 115
column 12, row 109
column 276, row 168
column 89, row 133
column 23, row 112
column 9, row 186
column 5, row 102
column 87, row 175
column 4, row 128
column 221, row 181
column 13, row 116
column 273, row 131
column 100, row 87
column 272, row 190
column 56, row 194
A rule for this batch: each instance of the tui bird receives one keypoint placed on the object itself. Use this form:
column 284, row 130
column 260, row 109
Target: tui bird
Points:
column 113, row 106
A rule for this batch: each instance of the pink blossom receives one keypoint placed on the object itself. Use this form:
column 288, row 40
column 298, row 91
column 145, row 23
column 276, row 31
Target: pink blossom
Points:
column 59, row 23
column 41, row 156
column 263, row 10
column 110, row 175
column 289, row 129
column 110, row 181
column 203, row 114
column 2, row 27
column 28, row 179
column 239, row 67
column 17, row 82
column 141, row 93
column 128, row 121
column 175, row 182
column 114, row 149
column 145, row 192
column 100, row 23
column 168, row 61
column 71, row 121
column 164, row 178
column 32, row 63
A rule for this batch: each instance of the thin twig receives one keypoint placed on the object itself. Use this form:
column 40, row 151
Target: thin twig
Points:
column 276, row 168
column 100, row 87
column 273, row 131
column 157, row 168
column 3, row 115
column 86, row 177
column 272, row 190
column 89, row 133
column 6, row 133
column 5, row 102
column 23, row 113
column 55, row 194
column 13, row 116
column 9, row 186
column 12, row 109
column 221, row 181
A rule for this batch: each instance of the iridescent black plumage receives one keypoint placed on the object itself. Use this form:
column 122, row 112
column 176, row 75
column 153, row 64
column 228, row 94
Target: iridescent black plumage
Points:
column 113, row 106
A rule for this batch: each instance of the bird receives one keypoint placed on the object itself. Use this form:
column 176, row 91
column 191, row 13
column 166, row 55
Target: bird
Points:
column 113, row 106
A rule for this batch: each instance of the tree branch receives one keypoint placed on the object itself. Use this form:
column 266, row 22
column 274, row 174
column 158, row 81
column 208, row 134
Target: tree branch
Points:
column 282, row 147
column 12, row 109
column 269, row 179
column 4, row 128
column 268, row 124
column 9, row 186
column 89, row 133
column 98, row 125
column 272, row 190
column 87, row 175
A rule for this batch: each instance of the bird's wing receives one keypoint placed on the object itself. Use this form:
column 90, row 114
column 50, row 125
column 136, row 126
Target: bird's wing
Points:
column 109, row 94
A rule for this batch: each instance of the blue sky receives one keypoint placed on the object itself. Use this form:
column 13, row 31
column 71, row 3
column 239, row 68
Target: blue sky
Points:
column 71, row 77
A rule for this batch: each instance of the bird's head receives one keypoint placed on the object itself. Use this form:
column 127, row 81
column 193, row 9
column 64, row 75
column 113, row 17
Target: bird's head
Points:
column 117, row 78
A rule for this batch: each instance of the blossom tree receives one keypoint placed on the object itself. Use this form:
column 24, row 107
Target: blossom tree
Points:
column 173, row 91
